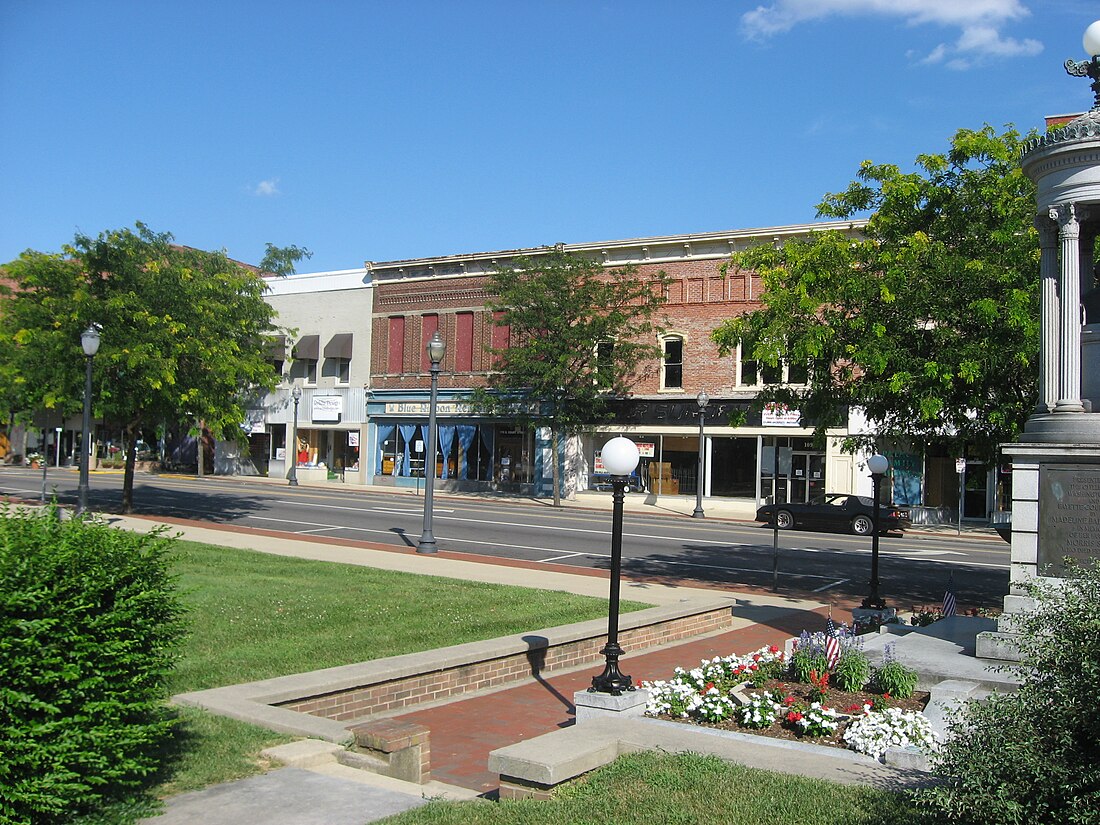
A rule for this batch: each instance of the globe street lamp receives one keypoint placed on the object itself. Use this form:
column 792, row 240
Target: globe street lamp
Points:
column 1089, row 68
column 437, row 348
column 620, row 457
column 292, row 479
column 877, row 465
column 702, row 399
column 89, row 340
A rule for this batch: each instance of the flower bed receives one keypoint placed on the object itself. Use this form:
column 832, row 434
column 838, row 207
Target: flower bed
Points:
column 761, row 693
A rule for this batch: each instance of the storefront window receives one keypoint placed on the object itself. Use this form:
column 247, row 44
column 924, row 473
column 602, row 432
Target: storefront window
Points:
column 463, row 452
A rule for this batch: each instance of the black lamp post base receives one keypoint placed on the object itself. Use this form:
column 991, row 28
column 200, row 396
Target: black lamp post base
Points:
column 611, row 680
column 873, row 603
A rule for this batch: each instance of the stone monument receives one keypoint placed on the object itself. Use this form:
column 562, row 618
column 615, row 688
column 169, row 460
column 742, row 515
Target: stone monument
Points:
column 1056, row 461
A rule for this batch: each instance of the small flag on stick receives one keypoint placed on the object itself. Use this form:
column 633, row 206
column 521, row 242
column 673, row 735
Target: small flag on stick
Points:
column 832, row 643
column 949, row 597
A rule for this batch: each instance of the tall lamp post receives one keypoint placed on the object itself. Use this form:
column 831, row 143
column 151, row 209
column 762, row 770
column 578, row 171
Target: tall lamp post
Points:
column 620, row 457
column 292, row 479
column 437, row 348
column 1089, row 68
column 877, row 465
column 89, row 340
column 702, row 399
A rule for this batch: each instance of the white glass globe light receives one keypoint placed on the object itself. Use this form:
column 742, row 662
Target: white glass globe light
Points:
column 620, row 456
column 878, row 464
column 1091, row 39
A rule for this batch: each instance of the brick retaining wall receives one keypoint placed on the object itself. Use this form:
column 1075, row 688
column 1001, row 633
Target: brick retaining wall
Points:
column 542, row 656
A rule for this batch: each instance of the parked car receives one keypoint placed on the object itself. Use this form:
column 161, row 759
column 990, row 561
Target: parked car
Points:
column 834, row 511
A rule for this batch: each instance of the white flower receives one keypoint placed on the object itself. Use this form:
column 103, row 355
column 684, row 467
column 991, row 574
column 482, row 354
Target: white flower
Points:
column 876, row 731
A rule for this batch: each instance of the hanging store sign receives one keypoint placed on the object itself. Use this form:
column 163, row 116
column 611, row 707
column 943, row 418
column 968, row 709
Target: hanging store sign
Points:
column 327, row 407
column 780, row 415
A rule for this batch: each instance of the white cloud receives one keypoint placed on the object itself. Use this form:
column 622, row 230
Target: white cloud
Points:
column 979, row 22
column 266, row 188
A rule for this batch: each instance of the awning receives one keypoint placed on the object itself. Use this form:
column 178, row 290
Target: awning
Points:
column 307, row 347
column 339, row 346
column 276, row 347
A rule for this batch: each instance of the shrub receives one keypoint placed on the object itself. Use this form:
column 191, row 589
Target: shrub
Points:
column 89, row 623
column 852, row 671
column 1033, row 756
column 894, row 677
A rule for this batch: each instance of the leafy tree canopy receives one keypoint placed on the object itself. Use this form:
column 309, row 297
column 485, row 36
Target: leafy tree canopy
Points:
column 559, row 309
column 182, row 332
column 579, row 335
column 930, row 321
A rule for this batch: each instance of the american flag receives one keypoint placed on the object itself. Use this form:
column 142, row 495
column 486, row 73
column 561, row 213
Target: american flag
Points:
column 832, row 643
column 949, row 597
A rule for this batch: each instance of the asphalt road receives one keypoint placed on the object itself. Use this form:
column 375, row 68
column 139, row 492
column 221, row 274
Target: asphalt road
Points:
column 914, row 568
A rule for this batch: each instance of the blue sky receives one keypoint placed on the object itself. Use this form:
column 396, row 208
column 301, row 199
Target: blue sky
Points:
column 390, row 130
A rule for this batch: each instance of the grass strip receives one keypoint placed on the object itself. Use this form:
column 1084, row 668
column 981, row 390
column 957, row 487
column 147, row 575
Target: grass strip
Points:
column 680, row 789
column 255, row 616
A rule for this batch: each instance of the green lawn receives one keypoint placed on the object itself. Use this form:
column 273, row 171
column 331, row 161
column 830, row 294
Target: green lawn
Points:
column 680, row 789
column 255, row 616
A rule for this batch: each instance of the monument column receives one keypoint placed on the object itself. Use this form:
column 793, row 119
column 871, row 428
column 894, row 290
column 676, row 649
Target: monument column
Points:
column 1069, row 379
column 1048, row 315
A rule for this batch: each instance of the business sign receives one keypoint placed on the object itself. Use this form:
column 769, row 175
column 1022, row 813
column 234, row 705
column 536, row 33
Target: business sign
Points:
column 327, row 407
column 424, row 407
column 646, row 450
column 780, row 415
column 353, row 438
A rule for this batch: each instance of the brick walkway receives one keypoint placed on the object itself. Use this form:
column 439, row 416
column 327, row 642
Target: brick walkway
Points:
column 463, row 732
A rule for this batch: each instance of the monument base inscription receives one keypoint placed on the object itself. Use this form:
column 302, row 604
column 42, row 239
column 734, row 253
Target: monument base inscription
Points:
column 1069, row 515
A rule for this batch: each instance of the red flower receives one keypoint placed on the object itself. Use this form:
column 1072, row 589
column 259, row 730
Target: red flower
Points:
column 773, row 649
column 853, row 708
column 790, row 700
column 794, row 716
column 706, row 688
column 886, row 696
column 756, row 657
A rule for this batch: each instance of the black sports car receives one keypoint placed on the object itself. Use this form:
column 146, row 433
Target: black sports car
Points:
column 834, row 511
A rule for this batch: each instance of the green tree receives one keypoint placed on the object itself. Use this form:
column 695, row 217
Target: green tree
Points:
column 929, row 322
column 579, row 334
column 182, row 333
column 281, row 260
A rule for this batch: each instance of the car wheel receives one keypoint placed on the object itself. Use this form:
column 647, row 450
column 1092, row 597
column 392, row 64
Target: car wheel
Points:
column 784, row 520
column 862, row 525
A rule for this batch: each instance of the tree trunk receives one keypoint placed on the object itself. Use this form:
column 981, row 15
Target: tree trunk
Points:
column 201, row 454
column 128, row 476
column 555, row 473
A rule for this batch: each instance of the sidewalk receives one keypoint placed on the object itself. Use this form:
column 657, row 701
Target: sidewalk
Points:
column 465, row 730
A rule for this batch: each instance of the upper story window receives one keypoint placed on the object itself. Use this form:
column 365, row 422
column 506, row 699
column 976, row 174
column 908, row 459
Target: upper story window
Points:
column 605, row 351
column 395, row 345
column 306, row 352
column 754, row 373
column 672, row 363
column 338, row 358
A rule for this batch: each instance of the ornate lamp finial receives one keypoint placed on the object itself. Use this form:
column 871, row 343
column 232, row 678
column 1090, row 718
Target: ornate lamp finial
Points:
column 1089, row 68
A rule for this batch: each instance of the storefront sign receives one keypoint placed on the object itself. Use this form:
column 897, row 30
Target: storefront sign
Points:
column 780, row 415
column 353, row 438
column 424, row 407
column 1069, row 515
column 327, row 407
column 646, row 450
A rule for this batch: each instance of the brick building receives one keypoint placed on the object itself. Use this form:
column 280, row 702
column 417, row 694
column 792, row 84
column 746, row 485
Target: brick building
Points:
column 414, row 298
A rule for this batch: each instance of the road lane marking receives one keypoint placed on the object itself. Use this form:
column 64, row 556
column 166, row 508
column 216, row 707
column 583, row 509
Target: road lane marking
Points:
column 833, row 584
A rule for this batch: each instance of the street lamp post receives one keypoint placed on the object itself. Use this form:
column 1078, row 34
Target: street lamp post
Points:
column 89, row 340
column 1089, row 68
column 292, row 479
column 437, row 348
column 878, row 465
column 702, row 399
column 620, row 457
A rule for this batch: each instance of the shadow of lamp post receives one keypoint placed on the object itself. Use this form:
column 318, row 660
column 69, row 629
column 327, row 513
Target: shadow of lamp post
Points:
column 878, row 465
column 89, row 340
column 437, row 348
column 292, row 479
column 620, row 457
column 702, row 399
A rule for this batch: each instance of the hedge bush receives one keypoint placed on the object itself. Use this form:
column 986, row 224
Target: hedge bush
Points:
column 1033, row 755
column 89, row 628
